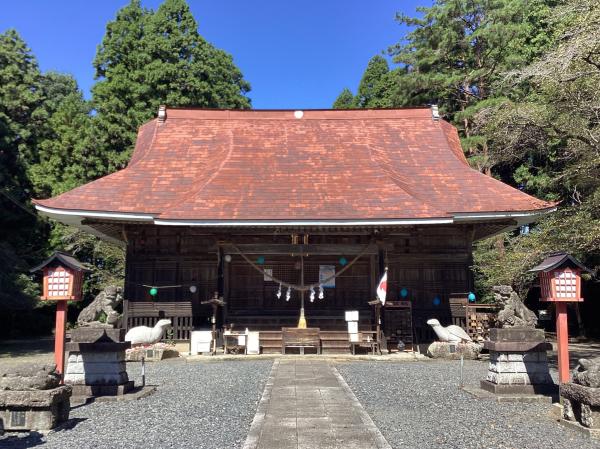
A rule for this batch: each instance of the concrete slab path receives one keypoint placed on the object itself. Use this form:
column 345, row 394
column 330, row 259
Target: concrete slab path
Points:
column 306, row 404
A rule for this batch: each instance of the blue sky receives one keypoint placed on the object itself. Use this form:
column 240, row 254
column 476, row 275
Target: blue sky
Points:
column 295, row 54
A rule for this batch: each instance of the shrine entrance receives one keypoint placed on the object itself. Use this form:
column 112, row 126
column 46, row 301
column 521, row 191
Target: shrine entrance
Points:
column 271, row 290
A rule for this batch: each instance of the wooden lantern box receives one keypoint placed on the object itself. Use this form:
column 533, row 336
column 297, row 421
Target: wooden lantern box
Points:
column 560, row 283
column 63, row 278
column 62, row 283
column 560, row 278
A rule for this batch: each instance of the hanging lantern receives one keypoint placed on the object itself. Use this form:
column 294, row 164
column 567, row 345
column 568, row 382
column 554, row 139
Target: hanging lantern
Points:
column 437, row 301
column 153, row 291
column 278, row 294
column 471, row 297
column 404, row 292
column 321, row 292
column 260, row 260
column 343, row 261
column 193, row 289
column 288, row 294
column 312, row 294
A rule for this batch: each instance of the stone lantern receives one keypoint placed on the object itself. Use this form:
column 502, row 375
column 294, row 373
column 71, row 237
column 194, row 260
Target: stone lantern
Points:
column 560, row 283
column 63, row 281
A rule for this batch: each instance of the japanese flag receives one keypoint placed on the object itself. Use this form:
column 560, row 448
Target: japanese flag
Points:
column 382, row 288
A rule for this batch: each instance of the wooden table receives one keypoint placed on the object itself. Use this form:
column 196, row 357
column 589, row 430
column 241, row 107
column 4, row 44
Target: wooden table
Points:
column 366, row 340
column 226, row 337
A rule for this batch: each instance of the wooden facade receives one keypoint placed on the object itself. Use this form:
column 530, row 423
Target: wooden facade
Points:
column 429, row 262
column 209, row 194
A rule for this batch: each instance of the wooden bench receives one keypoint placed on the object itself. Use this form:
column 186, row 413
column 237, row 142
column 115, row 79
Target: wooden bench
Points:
column 292, row 337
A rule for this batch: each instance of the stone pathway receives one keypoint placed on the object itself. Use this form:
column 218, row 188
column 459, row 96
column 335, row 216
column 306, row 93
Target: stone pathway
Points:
column 306, row 404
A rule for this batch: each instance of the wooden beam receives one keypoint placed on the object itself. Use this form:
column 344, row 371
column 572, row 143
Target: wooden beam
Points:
column 316, row 249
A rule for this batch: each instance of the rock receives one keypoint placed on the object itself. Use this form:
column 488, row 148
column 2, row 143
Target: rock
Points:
column 587, row 373
column 29, row 378
column 444, row 350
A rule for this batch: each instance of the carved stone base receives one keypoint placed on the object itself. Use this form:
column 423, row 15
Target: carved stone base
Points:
column 518, row 363
column 444, row 350
column 34, row 410
column 96, row 363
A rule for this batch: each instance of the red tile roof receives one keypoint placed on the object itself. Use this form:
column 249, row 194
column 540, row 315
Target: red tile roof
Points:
column 269, row 165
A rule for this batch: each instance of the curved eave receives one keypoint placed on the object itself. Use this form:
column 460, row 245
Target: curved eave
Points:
column 76, row 218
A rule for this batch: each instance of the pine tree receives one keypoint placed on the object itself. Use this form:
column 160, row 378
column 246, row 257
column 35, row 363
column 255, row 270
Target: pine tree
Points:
column 66, row 156
column 121, row 96
column 150, row 58
column 373, row 87
column 21, row 239
column 345, row 100
column 456, row 53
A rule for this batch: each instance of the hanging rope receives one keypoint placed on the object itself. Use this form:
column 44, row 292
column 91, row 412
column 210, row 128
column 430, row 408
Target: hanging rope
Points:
column 301, row 288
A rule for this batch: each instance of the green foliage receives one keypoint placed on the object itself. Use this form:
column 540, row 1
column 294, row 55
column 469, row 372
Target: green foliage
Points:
column 519, row 79
column 345, row 100
column 548, row 141
column 150, row 58
column 52, row 139
column 373, row 87
column 22, row 237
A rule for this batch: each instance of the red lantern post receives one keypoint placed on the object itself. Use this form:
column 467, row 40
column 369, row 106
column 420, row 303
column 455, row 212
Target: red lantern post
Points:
column 560, row 283
column 63, row 281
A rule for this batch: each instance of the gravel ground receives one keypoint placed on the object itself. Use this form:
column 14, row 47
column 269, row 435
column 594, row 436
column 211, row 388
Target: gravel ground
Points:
column 419, row 405
column 197, row 405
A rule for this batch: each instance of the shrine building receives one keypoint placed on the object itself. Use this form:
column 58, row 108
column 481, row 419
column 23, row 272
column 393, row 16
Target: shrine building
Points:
column 249, row 203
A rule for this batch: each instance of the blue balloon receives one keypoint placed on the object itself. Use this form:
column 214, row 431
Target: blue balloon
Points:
column 260, row 260
column 471, row 297
column 343, row 261
column 404, row 292
column 437, row 301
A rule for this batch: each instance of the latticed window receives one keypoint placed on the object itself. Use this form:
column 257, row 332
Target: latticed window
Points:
column 58, row 283
column 566, row 284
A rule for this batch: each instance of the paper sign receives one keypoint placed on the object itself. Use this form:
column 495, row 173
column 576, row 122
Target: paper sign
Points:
column 253, row 346
column 354, row 338
column 326, row 272
column 351, row 315
column 268, row 274
column 352, row 327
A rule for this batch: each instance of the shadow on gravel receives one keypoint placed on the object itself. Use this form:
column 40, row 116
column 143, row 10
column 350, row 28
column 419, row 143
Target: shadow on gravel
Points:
column 26, row 347
column 21, row 442
column 69, row 424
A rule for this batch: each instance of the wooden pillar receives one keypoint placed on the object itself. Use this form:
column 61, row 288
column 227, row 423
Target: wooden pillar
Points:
column 562, row 337
column 220, row 271
column 59, row 337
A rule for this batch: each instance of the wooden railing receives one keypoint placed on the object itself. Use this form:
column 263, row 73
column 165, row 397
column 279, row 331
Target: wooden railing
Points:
column 148, row 313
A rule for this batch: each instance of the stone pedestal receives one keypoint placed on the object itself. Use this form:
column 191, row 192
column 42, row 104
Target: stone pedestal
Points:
column 454, row 351
column 96, row 363
column 154, row 353
column 518, row 363
column 34, row 409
